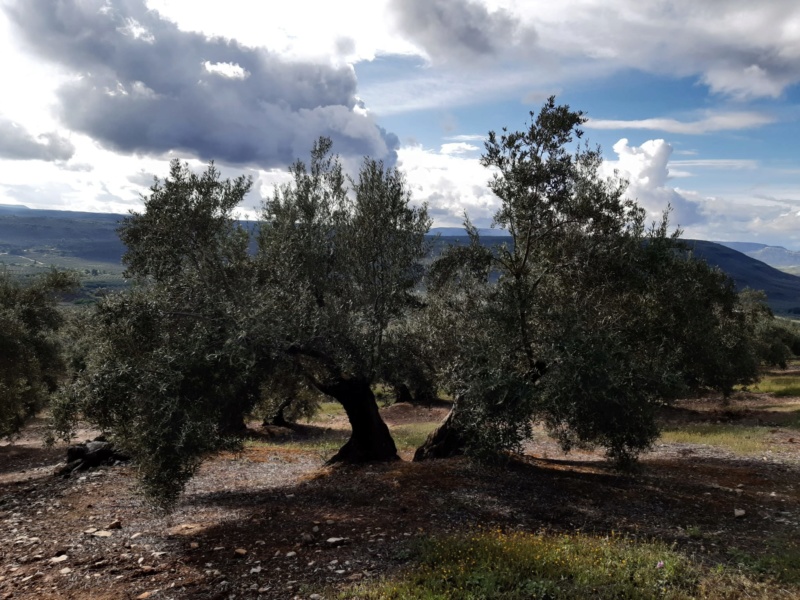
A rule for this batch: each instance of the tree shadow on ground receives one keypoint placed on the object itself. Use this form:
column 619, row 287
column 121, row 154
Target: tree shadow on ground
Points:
column 293, row 433
column 19, row 458
column 369, row 516
column 732, row 415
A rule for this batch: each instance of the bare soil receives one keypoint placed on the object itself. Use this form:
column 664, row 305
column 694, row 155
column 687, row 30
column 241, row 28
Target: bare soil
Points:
column 272, row 522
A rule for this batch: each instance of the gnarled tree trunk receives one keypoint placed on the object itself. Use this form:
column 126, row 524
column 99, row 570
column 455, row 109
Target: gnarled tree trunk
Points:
column 370, row 439
column 278, row 419
column 443, row 442
column 403, row 394
column 232, row 423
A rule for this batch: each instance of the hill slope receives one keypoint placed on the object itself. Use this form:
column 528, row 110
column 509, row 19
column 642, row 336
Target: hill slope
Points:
column 775, row 256
column 782, row 289
column 70, row 239
column 89, row 236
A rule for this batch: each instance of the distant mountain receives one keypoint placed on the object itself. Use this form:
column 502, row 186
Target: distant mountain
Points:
column 776, row 256
column 743, row 247
column 782, row 289
column 92, row 238
column 460, row 232
column 12, row 209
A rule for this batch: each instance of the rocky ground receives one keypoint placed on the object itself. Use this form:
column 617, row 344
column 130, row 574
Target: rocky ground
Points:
column 272, row 522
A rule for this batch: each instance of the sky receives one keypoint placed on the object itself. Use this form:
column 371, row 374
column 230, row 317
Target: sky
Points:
column 696, row 104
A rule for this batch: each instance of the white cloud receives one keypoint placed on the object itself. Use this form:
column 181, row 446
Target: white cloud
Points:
column 746, row 82
column 646, row 169
column 458, row 148
column 226, row 69
column 137, row 31
column 184, row 91
column 736, row 47
column 470, row 137
column 735, row 214
column 749, row 216
column 298, row 30
column 715, row 163
column 709, row 124
column 450, row 183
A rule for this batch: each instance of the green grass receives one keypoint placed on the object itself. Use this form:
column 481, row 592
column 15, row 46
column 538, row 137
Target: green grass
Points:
column 781, row 562
column 736, row 438
column 328, row 409
column 410, row 437
column 780, row 386
column 407, row 437
column 325, row 445
column 495, row 565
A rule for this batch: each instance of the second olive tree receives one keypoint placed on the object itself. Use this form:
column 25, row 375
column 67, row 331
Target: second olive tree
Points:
column 594, row 319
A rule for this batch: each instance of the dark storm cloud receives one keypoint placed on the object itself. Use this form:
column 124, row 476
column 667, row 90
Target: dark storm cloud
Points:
column 144, row 86
column 460, row 30
column 17, row 143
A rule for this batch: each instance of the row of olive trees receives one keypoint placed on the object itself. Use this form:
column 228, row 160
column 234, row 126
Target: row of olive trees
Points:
column 590, row 321
column 181, row 359
column 31, row 357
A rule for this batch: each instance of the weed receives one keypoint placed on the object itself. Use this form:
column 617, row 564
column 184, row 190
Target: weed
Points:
column 780, row 562
column 513, row 566
column 780, row 386
column 736, row 438
column 411, row 436
column 694, row 532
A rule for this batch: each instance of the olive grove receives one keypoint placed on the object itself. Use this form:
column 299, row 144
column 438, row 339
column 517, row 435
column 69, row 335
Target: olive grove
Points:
column 587, row 321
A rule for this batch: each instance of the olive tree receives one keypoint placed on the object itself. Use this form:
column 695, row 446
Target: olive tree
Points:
column 177, row 361
column 776, row 341
column 348, row 262
column 31, row 361
column 594, row 318
column 213, row 328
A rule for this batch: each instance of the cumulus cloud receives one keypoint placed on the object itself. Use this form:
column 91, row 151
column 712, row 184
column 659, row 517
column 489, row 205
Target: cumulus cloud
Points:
column 737, row 48
column 461, row 30
column 458, row 148
column 743, row 82
column 17, row 143
column 451, row 184
column 646, row 169
column 455, row 183
column 709, row 124
column 469, row 137
column 749, row 216
column 141, row 85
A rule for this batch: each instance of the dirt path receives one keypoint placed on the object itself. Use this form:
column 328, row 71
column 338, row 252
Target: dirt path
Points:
column 272, row 523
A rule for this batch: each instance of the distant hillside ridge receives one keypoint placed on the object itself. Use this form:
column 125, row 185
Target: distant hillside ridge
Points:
column 461, row 232
column 782, row 289
column 743, row 247
column 89, row 236
column 775, row 256
column 92, row 237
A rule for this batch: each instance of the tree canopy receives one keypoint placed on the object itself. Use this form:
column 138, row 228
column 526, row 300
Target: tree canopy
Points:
column 181, row 359
column 587, row 321
column 31, row 363
column 595, row 319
